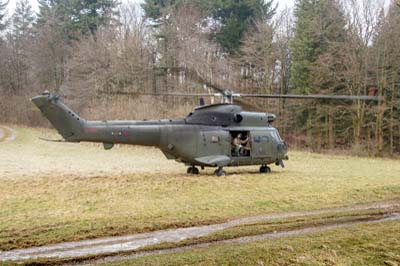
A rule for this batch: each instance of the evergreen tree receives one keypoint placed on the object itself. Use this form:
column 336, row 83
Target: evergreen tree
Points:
column 154, row 8
column 44, row 10
column 233, row 17
column 88, row 15
column 22, row 20
column 77, row 16
column 236, row 17
column 3, row 13
column 320, row 26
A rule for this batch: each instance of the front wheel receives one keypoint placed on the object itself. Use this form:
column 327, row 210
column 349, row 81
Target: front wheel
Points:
column 220, row 172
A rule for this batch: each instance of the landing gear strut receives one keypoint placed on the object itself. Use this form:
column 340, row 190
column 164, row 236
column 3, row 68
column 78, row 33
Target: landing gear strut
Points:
column 193, row 170
column 265, row 169
column 220, row 172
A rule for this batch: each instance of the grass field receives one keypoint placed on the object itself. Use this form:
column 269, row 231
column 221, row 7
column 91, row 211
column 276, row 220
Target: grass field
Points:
column 280, row 225
column 373, row 244
column 53, row 192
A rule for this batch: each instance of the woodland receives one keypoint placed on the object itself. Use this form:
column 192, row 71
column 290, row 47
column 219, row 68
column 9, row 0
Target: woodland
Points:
column 103, row 56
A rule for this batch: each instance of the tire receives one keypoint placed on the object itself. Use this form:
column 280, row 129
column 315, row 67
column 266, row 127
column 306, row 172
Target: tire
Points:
column 189, row 170
column 268, row 170
column 265, row 169
column 195, row 171
column 220, row 172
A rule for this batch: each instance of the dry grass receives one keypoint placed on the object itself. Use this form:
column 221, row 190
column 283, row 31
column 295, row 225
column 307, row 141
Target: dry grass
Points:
column 51, row 192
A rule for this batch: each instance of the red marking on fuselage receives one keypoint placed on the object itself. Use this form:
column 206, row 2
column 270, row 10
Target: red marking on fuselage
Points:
column 90, row 130
column 126, row 133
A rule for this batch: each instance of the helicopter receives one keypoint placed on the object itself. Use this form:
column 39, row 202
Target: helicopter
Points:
column 216, row 135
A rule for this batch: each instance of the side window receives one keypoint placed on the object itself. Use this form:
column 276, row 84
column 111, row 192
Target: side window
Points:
column 265, row 138
column 257, row 139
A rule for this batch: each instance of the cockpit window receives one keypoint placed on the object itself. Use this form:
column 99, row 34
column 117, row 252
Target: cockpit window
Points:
column 275, row 135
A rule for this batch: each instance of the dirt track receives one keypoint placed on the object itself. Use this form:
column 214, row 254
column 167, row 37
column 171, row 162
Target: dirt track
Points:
column 7, row 134
column 246, row 239
column 133, row 242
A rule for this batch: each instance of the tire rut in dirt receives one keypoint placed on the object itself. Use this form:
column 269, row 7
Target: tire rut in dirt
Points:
column 130, row 243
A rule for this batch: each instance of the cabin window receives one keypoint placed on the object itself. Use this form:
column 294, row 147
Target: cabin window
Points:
column 214, row 139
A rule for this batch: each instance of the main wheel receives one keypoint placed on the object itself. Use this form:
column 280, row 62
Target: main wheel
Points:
column 220, row 172
column 196, row 171
column 193, row 170
column 189, row 170
column 265, row 169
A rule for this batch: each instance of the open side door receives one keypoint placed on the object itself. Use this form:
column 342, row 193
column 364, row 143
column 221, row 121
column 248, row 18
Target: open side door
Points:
column 245, row 149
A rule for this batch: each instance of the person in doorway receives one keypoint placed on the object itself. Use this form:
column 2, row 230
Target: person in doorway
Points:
column 238, row 144
column 245, row 150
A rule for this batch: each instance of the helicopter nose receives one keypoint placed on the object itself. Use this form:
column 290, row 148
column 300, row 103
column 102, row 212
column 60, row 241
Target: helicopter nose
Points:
column 282, row 150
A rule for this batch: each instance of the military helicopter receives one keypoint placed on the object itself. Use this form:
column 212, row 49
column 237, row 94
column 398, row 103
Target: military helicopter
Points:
column 217, row 135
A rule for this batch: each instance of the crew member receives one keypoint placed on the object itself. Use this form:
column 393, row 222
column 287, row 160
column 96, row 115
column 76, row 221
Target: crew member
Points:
column 238, row 143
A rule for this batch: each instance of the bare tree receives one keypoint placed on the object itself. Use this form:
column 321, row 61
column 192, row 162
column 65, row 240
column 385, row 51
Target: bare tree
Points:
column 259, row 60
column 19, row 40
column 363, row 20
column 386, row 54
column 50, row 53
column 186, row 55
column 116, row 59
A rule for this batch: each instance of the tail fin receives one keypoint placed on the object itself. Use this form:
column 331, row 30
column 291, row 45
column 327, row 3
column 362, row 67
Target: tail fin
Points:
column 67, row 123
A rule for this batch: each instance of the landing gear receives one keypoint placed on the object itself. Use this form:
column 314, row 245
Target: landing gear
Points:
column 265, row 169
column 220, row 172
column 193, row 170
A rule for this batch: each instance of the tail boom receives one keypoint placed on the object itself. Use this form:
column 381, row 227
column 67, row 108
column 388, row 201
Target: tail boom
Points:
column 73, row 128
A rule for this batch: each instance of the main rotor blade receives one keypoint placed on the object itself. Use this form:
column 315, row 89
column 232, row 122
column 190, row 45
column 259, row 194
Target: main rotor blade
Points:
column 165, row 94
column 311, row 97
column 184, row 94
column 258, row 95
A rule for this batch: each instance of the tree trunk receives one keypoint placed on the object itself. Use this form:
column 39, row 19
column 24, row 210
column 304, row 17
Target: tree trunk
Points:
column 379, row 127
column 331, row 132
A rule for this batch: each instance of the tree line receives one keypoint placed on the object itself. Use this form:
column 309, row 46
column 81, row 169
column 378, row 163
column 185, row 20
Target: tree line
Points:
column 92, row 50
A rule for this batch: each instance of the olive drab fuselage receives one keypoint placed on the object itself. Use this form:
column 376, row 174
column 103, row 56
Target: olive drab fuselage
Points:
column 203, row 138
